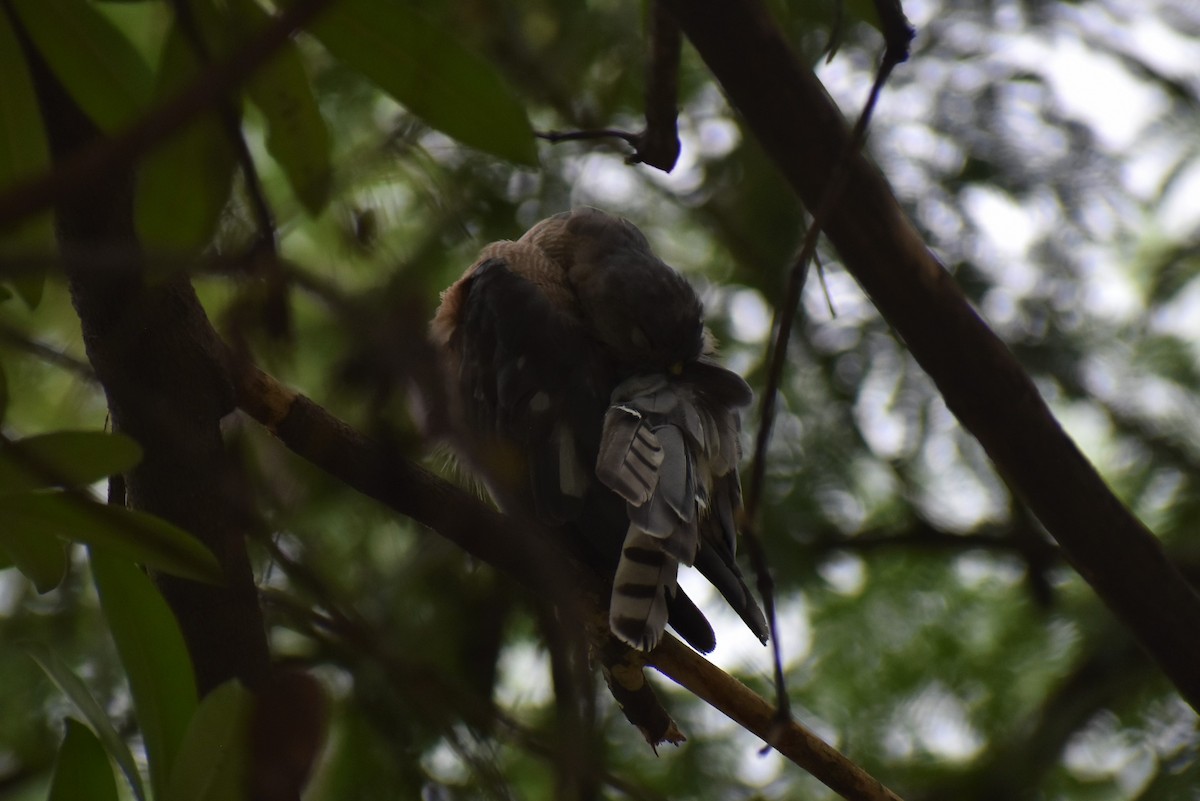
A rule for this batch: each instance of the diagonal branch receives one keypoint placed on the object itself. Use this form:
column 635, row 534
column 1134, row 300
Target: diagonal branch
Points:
column 786, row 107
column 526, row 555
column 708, row 682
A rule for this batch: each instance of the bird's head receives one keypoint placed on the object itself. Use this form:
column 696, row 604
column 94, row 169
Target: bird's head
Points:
column 647, row 317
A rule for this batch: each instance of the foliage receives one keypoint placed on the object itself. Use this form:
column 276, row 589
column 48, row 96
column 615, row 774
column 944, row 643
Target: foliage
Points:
column 929, row 630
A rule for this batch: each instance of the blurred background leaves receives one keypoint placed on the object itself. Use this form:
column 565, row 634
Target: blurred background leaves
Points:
column 1047, row 152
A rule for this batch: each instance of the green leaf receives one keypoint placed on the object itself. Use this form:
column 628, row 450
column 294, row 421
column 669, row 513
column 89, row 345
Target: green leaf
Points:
column 73, row 687
column 96, row 64
column 3, row 387
column 134, row 535
column 154, row 656
column 214, row 757
column 82, row 772
column 24, row 153
column 430, row 73
column 297, row 137
column 42, row 559
column 184, row 185
column 65, row 459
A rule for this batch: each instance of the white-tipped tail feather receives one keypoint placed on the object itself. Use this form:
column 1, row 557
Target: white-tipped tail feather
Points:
column 645, row 578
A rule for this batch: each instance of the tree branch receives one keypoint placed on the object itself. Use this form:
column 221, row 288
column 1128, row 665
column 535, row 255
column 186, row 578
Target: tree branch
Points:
column 723, row 692
column 160, row 364
column 528, row 555
column 787, row 108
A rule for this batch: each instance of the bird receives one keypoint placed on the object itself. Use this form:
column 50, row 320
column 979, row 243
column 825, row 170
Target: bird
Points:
column 581, row 368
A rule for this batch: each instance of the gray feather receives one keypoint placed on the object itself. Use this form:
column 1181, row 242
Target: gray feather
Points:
column 684, row 504
column 645, row 578
column 630, row 455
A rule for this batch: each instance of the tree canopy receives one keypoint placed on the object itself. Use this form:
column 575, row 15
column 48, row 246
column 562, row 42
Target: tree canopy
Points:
column 236, row 559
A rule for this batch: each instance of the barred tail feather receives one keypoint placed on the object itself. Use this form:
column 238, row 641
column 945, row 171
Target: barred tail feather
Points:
column 644, row 581
column 669, row 448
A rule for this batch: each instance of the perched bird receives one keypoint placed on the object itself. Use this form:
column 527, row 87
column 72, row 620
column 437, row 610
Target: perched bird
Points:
column 584, row 372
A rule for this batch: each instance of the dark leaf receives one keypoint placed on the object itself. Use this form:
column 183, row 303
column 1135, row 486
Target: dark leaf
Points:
column 65, row 459
column 213, row 758
column 82, row 772
column 155, row 659
column 137, row 536
column 73, row 687
column 430, row 73
column 96, row 64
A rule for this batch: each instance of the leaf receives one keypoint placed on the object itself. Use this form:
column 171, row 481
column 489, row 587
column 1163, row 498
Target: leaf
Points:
column 3, row 388
column 430, row 73
column 24, row 152
column 96, row 64
column 214, row 757
column 154, row 656
column 65, row 459
column 74, row 689
column 82, row 772
column 184, row 185
column 43, row 560
column 135, row 535
column 297, row 137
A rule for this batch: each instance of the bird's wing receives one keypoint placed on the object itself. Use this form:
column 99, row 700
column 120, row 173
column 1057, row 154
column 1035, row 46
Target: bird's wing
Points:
column 524, row 378
column 669, row 448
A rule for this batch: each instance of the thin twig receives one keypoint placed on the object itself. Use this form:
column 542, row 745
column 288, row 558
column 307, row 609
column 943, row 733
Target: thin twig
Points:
column 785, row 316
column 554, row 137
column 657, row 145
column 47, row 353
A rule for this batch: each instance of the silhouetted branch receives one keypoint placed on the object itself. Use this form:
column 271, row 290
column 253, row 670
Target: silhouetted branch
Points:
column 658, row 144
column 895, row 52
column 787, row 108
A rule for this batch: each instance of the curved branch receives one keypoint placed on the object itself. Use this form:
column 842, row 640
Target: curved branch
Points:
column 786, row 107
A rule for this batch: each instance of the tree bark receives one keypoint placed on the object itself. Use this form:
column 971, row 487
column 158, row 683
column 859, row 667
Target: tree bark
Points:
column 160, row 364
column 786, row 107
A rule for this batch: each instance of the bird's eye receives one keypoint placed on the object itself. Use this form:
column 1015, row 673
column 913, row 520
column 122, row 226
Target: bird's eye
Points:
column 639, row 339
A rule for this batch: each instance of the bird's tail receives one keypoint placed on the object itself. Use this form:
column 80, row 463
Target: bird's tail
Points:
column 669, row 449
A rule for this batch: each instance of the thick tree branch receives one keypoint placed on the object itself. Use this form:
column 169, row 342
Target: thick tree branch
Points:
column 787, row 108
column 161, row 367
